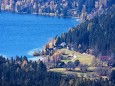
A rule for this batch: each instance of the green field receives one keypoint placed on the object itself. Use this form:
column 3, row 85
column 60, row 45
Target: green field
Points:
column 76, row 72
column 83, row 58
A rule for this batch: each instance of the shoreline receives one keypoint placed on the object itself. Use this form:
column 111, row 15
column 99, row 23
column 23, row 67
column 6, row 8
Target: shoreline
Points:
column 45, row 14
column 30, row 56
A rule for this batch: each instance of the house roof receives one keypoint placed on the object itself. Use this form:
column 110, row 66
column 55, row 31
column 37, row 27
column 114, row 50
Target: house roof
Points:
column 104, row 57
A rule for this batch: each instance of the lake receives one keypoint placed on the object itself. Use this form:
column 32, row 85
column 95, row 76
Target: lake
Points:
column 22, row 33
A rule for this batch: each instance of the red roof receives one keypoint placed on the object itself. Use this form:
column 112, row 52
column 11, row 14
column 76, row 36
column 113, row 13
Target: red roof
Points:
column 104, row 57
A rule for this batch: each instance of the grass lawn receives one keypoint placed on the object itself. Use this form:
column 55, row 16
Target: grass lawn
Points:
column 113, row 68
column 69, row 55
column 83, row 58
column 64, row 71
column 77, row 72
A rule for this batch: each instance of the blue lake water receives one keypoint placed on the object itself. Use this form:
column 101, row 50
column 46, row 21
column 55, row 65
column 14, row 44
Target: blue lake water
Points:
column 21, row 33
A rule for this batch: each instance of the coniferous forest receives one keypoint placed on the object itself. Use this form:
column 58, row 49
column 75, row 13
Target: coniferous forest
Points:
column 93, row 36
column 21, row 72
column 75, row 8
column 97, row 34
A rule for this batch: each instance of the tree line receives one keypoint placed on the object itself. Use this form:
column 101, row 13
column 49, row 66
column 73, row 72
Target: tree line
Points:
column 96, row 35
column 21, row 72
column 58, row 7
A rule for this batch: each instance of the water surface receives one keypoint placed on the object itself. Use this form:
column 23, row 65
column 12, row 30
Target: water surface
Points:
column 21, row 33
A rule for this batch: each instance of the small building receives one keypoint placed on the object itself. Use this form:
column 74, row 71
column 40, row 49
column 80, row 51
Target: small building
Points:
column 63, row 44
column 104, row 58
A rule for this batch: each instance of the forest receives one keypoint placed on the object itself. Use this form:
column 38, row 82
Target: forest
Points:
column 97, row 34
column 21, row 72
column 74, row 8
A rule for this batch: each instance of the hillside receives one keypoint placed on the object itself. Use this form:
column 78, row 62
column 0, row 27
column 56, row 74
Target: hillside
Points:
column 96, row 36
column 83, row 58
column 22, row 72
column 77, row 8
